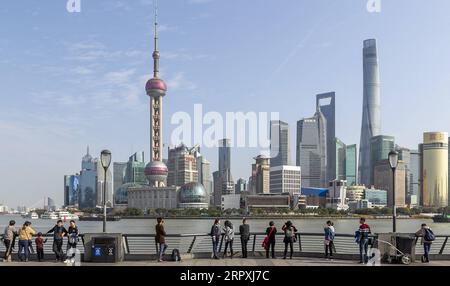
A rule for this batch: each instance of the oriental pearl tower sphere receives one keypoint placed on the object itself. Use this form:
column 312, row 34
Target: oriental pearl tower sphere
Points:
column 156, row 171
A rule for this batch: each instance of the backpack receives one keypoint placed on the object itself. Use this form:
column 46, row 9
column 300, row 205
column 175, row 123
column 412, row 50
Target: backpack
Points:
column 429, row 235
column 289, row 233
column 176, row 255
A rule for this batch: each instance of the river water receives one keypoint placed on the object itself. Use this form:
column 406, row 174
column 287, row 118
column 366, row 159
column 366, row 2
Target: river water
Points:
column 201, row 225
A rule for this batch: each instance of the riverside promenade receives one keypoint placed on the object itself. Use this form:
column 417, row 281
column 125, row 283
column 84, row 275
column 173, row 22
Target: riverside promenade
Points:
column 227, row 262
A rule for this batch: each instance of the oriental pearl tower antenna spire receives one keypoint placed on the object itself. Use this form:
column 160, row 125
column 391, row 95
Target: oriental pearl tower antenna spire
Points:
column 156, row 171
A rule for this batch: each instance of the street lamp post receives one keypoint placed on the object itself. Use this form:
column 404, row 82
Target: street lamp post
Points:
column 393, row 162
column 105, row 158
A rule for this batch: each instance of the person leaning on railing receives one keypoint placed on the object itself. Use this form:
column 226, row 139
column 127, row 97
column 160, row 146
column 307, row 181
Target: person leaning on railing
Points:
column 8, row 239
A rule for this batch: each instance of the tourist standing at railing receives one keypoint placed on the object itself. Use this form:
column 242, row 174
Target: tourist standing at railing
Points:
column 427, row 238
column 25, row 235
column 229, row 238
column 9, row 236
column 362, row 238
column 329, row 239
column 160, row 238
column 271, row 232
column 290, row 236
column 59, row 231
column 215, row 236
column 244, row 230
column 72, row 239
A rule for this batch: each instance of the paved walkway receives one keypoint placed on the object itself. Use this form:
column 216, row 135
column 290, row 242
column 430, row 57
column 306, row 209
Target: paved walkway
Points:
column 226, row 262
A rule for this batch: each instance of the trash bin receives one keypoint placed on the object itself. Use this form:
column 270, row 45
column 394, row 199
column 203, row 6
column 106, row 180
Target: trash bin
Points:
column 396, row 247
column 104, row 249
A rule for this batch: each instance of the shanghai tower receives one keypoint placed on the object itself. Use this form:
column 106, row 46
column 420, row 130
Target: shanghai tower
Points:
column 370, row 125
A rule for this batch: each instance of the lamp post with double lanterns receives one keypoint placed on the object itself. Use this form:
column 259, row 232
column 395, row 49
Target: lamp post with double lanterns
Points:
column 105, row 158
column 393, row 162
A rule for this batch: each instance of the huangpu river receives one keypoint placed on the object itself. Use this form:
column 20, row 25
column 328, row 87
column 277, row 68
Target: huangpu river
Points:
column 202, row 225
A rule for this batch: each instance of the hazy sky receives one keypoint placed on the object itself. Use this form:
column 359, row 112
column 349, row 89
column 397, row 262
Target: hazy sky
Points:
column 73, row 79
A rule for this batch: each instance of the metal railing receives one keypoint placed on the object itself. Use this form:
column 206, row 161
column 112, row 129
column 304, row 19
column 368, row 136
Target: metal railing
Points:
column 198, row 245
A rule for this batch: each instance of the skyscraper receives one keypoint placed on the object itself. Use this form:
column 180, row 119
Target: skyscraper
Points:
column 371, row 120
column 204, row 173
column 182, row 164
column 414, row 176
column 135, row 171
column 71, row 190
column 261, row 169
column 351, row 164
column 435, row 169
column 119, row 171
column 241, row 186
column 311, row 150
column 383, row 178
column 88, row 182
column 340, row 152
column 280, row 152
column 224, row 155
column 325, row 102
column 404, row 154
column 380, row 146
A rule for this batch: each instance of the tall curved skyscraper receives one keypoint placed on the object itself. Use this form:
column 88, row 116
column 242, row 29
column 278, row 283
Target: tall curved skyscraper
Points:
column 371, row 124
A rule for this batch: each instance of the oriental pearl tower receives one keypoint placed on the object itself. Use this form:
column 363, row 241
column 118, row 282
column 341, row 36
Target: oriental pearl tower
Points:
column 156, row 171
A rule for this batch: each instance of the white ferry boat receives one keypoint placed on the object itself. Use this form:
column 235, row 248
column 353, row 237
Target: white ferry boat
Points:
column 50, row 215
column 32, row 215
column 65, row 215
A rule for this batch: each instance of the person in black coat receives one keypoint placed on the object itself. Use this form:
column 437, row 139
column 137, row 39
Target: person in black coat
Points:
column 271, row 232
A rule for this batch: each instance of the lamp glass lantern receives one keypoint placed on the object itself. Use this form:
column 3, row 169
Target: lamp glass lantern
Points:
column 393, row 159
column 105, row 159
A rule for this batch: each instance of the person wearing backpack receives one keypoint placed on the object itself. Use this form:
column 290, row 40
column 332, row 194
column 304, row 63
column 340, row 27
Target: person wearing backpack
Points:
column 229, row 238
column 428, row 237
column 215, row 236
column 269, row 241
column 290, row 235
column 329, row 239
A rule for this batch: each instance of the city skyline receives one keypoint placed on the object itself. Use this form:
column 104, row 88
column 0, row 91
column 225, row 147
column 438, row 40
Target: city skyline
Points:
column 60, row 117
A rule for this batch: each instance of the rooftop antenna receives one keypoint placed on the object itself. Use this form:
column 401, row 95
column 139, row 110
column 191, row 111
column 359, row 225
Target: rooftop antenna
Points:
column 156, row 52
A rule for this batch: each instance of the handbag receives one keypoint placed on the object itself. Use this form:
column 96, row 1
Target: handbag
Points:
column 265, row 242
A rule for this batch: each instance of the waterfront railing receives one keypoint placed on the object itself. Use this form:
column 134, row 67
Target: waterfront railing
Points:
column 199, row 245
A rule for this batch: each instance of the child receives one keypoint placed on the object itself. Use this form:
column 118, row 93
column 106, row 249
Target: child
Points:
column 40, row 246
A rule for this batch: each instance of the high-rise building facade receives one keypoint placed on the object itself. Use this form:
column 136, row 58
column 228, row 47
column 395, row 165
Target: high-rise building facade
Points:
column 135, row 171
column 383, row 180
column 71, row 190
column 325, row 102
column 241, row 186
column 340, row 154
column 380, row 146
column 435, row 169
column 119, row 172
column 88, row 182
column 371, row 118
column 204, row 173
column 279, row 143
column 351, row 163
column 285, row 179
column 224, row 155
column 261, row 169
column 312, row 150
column 182, row 164
column 414, row 176
column 404, row 154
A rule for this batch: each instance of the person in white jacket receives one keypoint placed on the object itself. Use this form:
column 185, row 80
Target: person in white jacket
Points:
column 229, row 237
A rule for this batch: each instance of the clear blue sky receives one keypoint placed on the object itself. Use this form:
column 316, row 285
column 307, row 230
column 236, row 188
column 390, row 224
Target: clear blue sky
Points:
column 69, row 80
